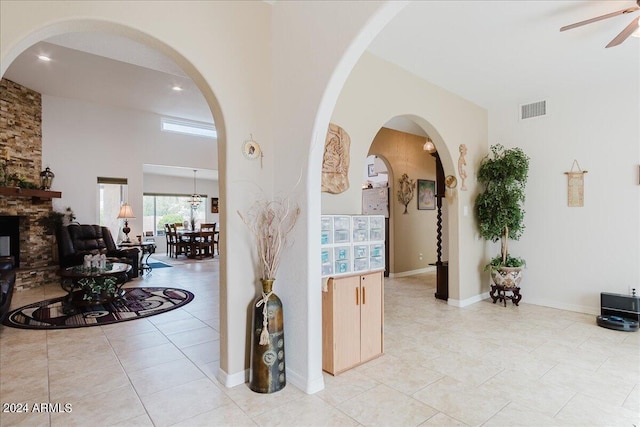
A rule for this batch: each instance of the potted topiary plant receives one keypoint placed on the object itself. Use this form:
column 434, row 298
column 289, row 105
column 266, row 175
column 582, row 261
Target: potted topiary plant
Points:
column 54, row 220
column 499, row 208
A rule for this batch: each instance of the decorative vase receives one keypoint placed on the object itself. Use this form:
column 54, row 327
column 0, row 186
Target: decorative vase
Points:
column 267, row 373
column 509, row 277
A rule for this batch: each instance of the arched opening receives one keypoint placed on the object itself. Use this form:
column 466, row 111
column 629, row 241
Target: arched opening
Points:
column 413, row 234
column 101, row 27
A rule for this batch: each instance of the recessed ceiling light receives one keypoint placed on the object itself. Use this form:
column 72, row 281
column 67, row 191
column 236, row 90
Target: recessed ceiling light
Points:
column 177, row 88
column 44, row 58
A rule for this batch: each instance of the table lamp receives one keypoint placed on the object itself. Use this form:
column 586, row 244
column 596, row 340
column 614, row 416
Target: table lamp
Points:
column 127, row 213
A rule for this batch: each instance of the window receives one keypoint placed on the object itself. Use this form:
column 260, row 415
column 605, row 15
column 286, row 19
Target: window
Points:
column 112, row 193
column 160, row 209
column 189, row 128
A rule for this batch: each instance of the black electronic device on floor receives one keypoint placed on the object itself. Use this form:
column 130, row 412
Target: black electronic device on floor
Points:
column 617, row 323
column 619, row 312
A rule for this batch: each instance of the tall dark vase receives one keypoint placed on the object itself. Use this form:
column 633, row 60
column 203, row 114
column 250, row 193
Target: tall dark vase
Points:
column 267, row 374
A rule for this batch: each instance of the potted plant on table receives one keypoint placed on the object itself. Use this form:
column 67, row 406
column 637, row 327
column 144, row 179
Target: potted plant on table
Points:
column 499, row 208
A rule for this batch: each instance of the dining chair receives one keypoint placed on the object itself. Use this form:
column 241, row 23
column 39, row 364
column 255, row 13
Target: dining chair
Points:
column 214, row 240
column 181, row 247
column 171, row 244
column 208, row 238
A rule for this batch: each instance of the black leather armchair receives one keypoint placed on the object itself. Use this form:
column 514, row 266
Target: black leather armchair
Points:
column 7, row 282
column 76, row 240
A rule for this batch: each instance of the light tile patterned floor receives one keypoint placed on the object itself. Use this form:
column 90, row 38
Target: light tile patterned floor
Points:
column 483, row 365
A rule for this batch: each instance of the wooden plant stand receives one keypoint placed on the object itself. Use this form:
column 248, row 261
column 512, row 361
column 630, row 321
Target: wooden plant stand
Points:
column 500, row 293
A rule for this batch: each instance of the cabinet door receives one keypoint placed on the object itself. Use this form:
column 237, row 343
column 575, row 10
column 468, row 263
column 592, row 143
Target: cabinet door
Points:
column 371, row 316
column 347, row 297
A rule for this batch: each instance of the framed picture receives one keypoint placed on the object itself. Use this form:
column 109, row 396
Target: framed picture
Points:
column 371, row 170
column 426, row 194
column 214, row 205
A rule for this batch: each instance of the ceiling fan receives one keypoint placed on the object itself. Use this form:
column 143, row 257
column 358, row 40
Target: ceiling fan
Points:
column 624, row 34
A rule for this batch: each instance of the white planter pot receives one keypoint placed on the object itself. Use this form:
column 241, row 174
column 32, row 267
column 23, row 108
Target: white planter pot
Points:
column 509, row 277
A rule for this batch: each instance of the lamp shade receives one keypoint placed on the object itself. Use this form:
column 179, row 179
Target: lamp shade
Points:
column 126, row 211
column 429, row 146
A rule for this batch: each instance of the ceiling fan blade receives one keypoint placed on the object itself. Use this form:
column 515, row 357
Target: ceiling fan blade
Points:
column 629, row 29
column 600, row 18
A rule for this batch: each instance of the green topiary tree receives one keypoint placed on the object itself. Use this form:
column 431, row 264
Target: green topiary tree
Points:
column 499, row 208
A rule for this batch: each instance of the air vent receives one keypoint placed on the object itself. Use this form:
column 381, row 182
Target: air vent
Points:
column 535, row 109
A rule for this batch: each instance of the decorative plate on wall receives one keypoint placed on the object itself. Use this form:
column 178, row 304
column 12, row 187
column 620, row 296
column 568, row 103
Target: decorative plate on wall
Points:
column 251, row 149
column 451, row 181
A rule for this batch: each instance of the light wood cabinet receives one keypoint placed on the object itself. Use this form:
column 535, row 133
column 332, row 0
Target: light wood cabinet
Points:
column 352, row 321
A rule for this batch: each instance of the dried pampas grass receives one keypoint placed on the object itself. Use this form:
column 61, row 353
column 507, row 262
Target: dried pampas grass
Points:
column 270, row 221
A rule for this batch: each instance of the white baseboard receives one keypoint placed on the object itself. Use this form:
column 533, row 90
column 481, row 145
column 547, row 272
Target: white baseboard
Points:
column 568, row 307
column 542, row 303
column 308, row 386
column 233, row 380
column 412, row 272
column 468, row 301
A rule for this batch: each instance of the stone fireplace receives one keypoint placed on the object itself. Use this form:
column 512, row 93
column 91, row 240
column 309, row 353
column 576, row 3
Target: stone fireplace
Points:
column 21, row 153
column 10, row 238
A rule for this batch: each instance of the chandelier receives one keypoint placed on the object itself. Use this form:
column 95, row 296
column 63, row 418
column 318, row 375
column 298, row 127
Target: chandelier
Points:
column 195, row 198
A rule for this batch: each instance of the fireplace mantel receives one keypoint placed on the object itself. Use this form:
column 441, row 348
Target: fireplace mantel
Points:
column 26, row 192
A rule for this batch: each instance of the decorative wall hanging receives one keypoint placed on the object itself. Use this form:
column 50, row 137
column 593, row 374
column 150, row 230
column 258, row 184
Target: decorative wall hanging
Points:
column 450, row 183
column 335, row 161
column 406, row 191
column 575, row 186
column 251, row 149
column 462, row 162
column 215, row 206
column 426, row 194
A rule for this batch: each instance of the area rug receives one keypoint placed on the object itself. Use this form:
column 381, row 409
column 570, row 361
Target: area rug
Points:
column 136, row 303
column 158, row 264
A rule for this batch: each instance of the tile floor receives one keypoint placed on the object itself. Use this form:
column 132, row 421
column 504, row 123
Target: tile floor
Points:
column 483, row 365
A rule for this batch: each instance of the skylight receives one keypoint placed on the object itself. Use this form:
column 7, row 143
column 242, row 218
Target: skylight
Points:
column 189, row 128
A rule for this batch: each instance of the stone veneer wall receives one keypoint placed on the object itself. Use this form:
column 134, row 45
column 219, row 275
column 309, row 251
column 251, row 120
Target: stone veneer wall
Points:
column 21, row 129
column 21, row 147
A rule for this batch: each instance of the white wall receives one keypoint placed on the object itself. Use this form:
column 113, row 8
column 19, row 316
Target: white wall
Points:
column 225, row 47
column 82, row 141
column 308, row 72
column 574, row 253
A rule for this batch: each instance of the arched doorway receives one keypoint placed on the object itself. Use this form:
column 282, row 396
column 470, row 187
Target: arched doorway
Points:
column 413, row 234
column 121, row 30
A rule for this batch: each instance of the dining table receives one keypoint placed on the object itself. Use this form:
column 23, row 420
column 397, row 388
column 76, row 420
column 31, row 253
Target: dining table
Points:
column 194, row 239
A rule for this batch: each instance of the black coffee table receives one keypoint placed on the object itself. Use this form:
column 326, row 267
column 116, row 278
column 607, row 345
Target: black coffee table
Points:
column 81, row 283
